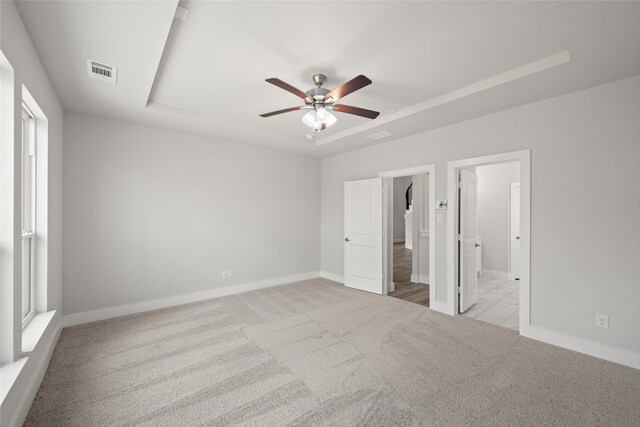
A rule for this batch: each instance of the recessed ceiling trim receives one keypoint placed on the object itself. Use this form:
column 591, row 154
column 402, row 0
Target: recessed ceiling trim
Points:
column 182, row 13
column 169, row 27
column 491, row 82
column 194, row 115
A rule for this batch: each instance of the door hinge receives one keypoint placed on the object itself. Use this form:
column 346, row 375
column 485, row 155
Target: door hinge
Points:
column 459, row 289
column 459, row 237
column 459, row 184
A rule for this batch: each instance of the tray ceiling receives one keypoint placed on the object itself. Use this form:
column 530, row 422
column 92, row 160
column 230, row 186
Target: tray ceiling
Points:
column 432, row 63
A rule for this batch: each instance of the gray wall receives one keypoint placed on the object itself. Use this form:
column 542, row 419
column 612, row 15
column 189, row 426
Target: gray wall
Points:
column 494, row 212
column 150, row 213
column 400, row 185
column 585, row 233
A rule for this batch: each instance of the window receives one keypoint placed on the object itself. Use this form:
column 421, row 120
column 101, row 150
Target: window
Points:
column 28, row 213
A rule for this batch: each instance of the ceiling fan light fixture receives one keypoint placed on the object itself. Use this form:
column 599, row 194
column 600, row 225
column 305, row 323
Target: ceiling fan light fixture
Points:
column 310, row 118
column 321, row 101
column 330, row 120
column 322, row 114
column 319, row 119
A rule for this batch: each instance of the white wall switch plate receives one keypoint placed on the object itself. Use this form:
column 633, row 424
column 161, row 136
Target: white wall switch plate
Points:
column 225, row 274
column 602, row 321
column 230, row 273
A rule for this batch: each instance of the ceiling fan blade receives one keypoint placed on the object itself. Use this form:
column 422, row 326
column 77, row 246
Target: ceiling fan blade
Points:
column 287, row 87
column 349, row 87
column 286, row 110
column 369, row 114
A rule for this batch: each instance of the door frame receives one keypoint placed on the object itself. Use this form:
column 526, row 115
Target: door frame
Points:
column 524, row 158
column 387, row 226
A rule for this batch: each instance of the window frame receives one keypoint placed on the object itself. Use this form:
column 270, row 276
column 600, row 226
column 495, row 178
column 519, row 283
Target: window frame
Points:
column 28, row 219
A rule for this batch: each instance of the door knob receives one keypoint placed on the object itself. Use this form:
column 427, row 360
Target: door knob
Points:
column 477, row 245
column 346, row 239
column 517, row 237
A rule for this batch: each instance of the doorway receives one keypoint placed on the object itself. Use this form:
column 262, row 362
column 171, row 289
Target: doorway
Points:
column 488, row 239
column 368, row 233
column 488, row 223
column 410, row 274
column 409, row 236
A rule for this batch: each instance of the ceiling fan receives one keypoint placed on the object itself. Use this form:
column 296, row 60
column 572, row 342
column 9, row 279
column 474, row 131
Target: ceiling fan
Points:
column 321, row 101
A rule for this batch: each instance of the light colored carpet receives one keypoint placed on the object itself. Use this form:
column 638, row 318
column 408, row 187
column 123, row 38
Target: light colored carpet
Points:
column 317, row 353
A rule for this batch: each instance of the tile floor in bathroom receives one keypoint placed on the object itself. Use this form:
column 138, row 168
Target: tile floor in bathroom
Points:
column 498, row 302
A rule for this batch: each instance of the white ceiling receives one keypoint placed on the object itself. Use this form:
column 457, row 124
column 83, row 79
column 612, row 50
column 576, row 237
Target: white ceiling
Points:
column 432, row 63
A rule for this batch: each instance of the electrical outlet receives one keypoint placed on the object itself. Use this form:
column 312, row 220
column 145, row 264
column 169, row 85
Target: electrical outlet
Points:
column 230, row 273
column 225, row 274
column 602, row 321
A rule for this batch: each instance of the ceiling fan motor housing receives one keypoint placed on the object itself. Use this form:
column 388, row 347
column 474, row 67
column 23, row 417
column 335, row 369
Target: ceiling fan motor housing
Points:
column 319, row 79
column 317, row 93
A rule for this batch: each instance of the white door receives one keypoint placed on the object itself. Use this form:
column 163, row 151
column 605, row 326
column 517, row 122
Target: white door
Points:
column 514, row 267
column 468, row 279
column 363, row 235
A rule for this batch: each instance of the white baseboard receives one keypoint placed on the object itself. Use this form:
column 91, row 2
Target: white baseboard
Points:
column 22, row 408
column 398, row 240
column 494, row 274
column 581, row 345
column 440, row 307
column 155, row 304
column 422, row 278
column 331, row 276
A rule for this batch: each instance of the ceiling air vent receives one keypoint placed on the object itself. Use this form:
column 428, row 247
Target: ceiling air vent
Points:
column 106, row 73
column 379, row 135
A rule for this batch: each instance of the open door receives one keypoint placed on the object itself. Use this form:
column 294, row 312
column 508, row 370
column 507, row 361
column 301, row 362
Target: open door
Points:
column 514, row 238
column 363, row 235
column 467, row 240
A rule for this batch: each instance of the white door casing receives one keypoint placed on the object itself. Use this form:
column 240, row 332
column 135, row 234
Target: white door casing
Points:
column 363, row 235
column 514, row 232
column 468, row 189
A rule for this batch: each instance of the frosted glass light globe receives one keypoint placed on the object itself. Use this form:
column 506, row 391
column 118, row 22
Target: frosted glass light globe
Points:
column 322, row 114
column 310, row 118
column 331, row 119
